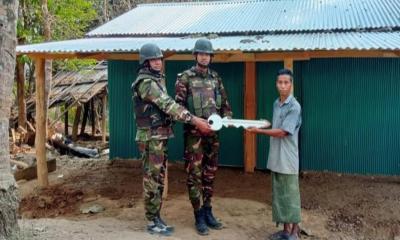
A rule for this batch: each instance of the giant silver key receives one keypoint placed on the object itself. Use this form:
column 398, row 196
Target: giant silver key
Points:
column 216, row 122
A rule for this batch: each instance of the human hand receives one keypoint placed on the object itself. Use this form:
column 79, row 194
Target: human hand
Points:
column 202, row 125
column 252, row 130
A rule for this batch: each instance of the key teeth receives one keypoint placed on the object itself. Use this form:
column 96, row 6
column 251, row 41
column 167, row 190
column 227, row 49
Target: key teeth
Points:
column 227, row 122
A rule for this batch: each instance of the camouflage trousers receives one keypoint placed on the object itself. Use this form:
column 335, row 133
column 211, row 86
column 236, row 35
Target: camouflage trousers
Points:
column 154, row 156
column 201, row 162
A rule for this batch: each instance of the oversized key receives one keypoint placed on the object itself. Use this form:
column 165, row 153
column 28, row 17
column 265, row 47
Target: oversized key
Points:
column 216, row 122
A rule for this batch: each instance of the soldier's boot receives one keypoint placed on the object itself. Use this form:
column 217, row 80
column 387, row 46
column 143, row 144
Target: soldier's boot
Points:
column 211, row 221
column 156, row 227
column 200, row 223
column 168, row 227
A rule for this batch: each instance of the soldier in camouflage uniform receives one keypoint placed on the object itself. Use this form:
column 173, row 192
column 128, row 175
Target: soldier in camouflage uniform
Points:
column 201, row 91
column 154, row 112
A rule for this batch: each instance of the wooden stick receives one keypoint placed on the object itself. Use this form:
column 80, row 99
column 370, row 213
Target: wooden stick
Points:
column 85, row 117
column 65, row 120
column 21, row 93
column 22, row 130
column 76, row 123
column 103, row 118
column 92, row 111
column 19, row 163
column 13, row 135
column 30, row 126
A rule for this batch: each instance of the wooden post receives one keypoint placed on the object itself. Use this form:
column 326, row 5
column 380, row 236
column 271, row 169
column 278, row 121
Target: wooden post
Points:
column 288, row 63
column 21, row 93
column 250, row 112
column 41, row 116
column 85, row 117
column 76, row 123
column 66, row 120
column 93, row 114
column 103, row 118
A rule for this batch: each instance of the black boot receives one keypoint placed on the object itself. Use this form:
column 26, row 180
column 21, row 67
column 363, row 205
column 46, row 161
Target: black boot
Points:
column 210, row 219
column 200, row 224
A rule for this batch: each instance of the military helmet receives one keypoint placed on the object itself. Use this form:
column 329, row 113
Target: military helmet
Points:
column 149, row 51
column 203, row 46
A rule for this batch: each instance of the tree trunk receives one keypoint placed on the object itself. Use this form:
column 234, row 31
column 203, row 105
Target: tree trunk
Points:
column 105, row 11
column 8, row 190
column 48, row 63
column 21, row 94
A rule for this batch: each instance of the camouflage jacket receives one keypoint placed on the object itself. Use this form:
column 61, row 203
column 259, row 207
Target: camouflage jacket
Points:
column 202, row 94
column 150, row 88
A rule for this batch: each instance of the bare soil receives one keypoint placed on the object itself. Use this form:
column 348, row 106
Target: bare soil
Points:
column 334, row 206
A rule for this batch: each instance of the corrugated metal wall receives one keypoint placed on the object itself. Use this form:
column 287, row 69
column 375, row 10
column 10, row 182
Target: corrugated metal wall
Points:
column 175, row 145
column 266, row 95
column 351, row 115
column 122, row 125
column 232, row 150
column 121, row 74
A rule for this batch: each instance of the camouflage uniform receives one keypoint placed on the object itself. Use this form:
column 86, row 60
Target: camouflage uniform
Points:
column 202, row 94
column 154, row 109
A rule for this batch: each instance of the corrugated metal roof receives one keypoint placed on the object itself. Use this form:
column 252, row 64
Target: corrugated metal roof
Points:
column 277, row 42
column 80, row 85
column 252, row 16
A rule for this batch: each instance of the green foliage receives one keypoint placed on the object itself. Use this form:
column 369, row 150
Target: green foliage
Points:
column 30, row 22
column 73, row 64
column 71, row 18
column 68, row 19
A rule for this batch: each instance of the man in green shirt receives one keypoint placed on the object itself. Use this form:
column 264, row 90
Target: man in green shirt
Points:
column 283, row 159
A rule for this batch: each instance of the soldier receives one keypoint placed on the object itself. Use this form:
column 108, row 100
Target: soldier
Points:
column 154, row 112
column 201, row 91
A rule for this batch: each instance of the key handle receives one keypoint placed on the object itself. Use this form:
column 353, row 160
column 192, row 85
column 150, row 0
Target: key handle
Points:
column 215, row 122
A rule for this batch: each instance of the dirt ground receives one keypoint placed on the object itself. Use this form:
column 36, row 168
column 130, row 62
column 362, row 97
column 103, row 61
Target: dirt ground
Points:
column 333, row 206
